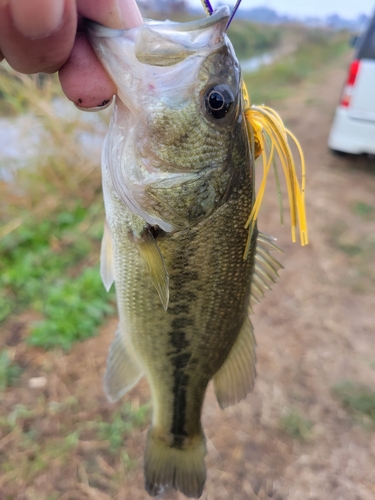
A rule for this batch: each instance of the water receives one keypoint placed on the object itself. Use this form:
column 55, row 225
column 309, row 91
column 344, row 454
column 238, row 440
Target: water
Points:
column 254, row 63
column 23, row 138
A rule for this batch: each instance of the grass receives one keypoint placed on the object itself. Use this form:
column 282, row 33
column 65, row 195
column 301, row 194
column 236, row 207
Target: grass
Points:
column 122, row 422
column 296, row 425
column 9, row 371
column 52, row 222
column 315, row 48
column 251, row 39
column 35, row 451
column 353, row 239
column 363, row 210
column 358, row 399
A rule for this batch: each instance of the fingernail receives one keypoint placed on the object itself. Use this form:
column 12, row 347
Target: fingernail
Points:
column 37, row 18
column 129, row 12
column 102, row 106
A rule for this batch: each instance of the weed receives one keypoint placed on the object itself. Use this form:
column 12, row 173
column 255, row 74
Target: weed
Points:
column 358, row 398
column 251, row 39
column 18, row 411
column 363, row 210
column 123, row 422
column 9, row 372
column 52, row 221
column 296, row 426
column 127, row 462
column 73, row 309
column 274, row 82
column 71, row 441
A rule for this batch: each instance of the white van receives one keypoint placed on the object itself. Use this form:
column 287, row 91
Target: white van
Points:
column 353, row 127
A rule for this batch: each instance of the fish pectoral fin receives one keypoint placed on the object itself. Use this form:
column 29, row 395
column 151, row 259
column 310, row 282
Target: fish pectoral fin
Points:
column 235, row 379
column 106, row 259
column 154, row 261
column 265, row 267
column 123, row 370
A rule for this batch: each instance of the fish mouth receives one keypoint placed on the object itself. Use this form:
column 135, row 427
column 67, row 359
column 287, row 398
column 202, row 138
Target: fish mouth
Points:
column 220, row 14
column 164, row 44
column 145, row 60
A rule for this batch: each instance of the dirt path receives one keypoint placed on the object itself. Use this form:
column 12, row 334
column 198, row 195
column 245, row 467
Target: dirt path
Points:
column 314, row 330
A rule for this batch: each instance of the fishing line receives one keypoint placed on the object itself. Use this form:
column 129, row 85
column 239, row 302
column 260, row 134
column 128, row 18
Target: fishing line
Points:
column 209, row 10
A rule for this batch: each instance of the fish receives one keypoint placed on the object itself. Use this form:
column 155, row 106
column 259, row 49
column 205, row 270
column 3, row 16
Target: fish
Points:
column 178, row 186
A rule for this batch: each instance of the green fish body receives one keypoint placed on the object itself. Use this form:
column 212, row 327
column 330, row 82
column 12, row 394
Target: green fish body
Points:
column 178, row 183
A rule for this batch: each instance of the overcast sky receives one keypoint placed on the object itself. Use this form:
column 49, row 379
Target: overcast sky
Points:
column 321, row 8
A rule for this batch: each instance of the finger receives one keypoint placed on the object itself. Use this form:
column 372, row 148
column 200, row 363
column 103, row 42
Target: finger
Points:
column 37, row 35
column 82, row 78
column 48, row 19
column 120, row 14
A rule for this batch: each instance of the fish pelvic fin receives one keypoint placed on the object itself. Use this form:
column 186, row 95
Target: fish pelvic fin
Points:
column 151, row 255
column 266, row 267
column 180, row 468
column 123, row 370
column 106, row 259
column 235, row 379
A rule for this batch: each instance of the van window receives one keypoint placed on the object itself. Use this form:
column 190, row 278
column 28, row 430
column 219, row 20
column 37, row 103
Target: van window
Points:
column 367, row 47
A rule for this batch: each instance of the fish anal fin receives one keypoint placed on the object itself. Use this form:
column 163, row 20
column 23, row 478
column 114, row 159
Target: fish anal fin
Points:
column 265, row 267
column 168, row 467
column 123, row 370
column 106, row 259
column 152, row 257
column 235, row 379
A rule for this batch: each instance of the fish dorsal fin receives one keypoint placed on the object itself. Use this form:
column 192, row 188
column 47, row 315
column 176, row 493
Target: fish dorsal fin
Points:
column 235, row 379
column 123, row 370
column 106, row 259
column 265, row 267
column 152, row 257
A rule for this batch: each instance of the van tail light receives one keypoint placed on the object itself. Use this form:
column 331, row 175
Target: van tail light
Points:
column 350, row 81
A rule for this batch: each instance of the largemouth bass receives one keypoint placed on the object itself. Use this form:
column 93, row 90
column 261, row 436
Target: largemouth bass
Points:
column 178, row 183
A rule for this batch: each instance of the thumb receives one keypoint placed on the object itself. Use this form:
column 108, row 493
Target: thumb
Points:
column 83, row 78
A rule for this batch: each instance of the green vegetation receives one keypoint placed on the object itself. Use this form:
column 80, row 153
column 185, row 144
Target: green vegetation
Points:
column 359, row 399
column 250, row 39
column 296, row 426
column 33, row 450
column 356, row 242
column 123, row 421
column 314, row 49
column 363, row 210
column 52, row 223
column 9, row 372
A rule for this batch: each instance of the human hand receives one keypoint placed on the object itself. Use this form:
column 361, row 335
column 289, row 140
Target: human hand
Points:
column 47, row 36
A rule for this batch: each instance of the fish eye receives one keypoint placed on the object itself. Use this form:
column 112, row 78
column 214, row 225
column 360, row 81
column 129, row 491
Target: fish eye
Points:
column 218, row 100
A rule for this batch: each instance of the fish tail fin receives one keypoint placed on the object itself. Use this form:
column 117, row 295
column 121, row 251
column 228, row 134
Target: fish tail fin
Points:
column 180, row 467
